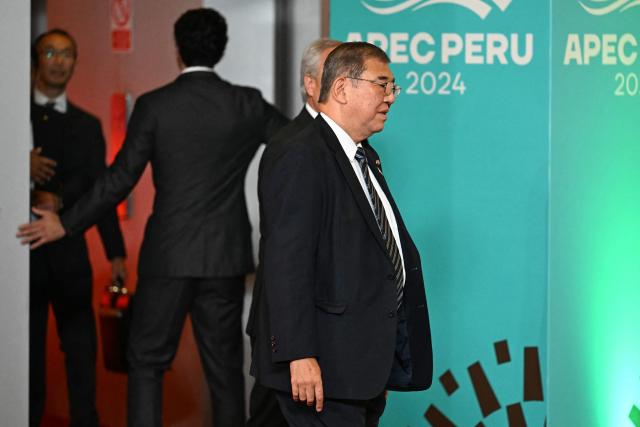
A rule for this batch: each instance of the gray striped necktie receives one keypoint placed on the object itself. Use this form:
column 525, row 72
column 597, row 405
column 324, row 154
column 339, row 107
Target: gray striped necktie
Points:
column 383, row 225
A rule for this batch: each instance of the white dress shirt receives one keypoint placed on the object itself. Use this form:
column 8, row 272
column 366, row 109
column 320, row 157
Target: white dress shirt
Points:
column 59, row 102
column 196, row 68
column 350, row 147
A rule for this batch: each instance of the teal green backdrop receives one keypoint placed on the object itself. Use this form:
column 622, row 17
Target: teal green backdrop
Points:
column 594, row 271
column 465, row 151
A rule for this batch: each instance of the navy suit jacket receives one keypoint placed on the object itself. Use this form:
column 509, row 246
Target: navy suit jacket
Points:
column 328, row 289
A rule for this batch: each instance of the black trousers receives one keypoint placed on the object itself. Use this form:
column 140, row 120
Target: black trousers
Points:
column 264, row 410
column 159, row 311
column 335, row 413
column 70, row 298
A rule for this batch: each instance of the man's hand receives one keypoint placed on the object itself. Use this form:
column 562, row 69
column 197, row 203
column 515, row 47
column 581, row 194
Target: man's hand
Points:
column 118, row 269
column 46, row 201
column 42, row 168
column 44, row 230
column 306, row 382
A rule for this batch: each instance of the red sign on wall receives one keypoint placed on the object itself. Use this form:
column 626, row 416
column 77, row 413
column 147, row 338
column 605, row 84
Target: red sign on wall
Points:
column 121, row 14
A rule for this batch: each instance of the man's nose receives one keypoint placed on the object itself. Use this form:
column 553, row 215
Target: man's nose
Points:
column 390, row 99
column 58, row 58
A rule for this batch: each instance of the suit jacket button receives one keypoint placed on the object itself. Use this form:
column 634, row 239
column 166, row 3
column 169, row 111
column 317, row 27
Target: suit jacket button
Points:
column 391, row 315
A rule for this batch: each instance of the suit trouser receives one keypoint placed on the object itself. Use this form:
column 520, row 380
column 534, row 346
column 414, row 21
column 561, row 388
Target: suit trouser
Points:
column 354, row 413
column 160, row 308
column 70, row 298
column 264, row 410
column 335, row 412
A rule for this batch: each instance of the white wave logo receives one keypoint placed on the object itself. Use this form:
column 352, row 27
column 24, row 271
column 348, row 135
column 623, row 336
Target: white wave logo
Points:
column 605, row 7
column 479, row 7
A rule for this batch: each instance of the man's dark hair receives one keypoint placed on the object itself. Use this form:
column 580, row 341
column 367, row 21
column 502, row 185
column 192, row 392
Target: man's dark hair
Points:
column 35, row 55
column 348, row 59
column 201, row 37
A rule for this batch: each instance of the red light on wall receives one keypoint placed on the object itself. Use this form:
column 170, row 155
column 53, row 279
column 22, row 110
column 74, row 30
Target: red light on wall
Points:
column 118, row 132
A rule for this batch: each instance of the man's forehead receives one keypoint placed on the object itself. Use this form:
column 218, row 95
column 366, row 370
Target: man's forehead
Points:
column 377, row 69
column 56, row 40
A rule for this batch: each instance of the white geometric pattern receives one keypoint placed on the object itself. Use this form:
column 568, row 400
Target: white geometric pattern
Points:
column 482, row 8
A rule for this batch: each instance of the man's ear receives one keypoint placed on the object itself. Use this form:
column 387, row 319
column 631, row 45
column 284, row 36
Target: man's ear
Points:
column 339, row 90
column 310, row 87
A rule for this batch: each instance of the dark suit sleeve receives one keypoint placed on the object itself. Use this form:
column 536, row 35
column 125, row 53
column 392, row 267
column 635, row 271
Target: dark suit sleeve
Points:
column 108, row 225
column 291, row 201
column 118, row 180
column 272, row 121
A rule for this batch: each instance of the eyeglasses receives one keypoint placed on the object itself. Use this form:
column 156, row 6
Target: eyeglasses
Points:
column 389, row 87
column 49, row 53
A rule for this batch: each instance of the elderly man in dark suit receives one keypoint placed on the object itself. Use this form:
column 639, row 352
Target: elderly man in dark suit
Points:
column 263, row 406
column 68, row 155
column 311, row 66
column 344, row 314
column 199, row 133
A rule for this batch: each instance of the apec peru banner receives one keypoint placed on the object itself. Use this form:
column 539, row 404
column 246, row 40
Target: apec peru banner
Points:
column 594, row 210
column 465, row 151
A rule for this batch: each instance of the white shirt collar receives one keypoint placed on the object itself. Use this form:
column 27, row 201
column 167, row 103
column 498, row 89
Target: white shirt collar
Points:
column 60, row 102
column 197, row 68
column 310, row 110
column 350, row 148
column 348, row 145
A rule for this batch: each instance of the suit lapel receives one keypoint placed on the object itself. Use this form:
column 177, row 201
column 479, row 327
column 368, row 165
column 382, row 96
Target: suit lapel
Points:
column 352, row 181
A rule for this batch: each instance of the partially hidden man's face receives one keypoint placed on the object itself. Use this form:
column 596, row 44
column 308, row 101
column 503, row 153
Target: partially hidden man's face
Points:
column 312, row 83
column 368, row 102
column 56, row 60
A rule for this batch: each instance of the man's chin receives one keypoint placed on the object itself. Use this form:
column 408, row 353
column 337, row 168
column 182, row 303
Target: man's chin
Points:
column 376, row 130
column 379, row 127
column 57, row 82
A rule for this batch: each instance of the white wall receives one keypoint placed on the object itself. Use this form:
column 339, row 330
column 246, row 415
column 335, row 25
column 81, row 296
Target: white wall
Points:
column 14, row 197
column 304, row 27
column 249, row 61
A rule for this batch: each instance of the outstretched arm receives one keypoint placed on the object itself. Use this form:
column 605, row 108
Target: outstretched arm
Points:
column 44, row 230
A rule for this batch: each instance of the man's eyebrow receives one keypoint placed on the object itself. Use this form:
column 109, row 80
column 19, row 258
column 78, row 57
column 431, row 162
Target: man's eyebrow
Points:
column 386, row 78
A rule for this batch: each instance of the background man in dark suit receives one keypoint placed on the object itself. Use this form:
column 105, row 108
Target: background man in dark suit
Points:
column 345, row 314
column 263, row 406
column 200, row 134
column 67, row 157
